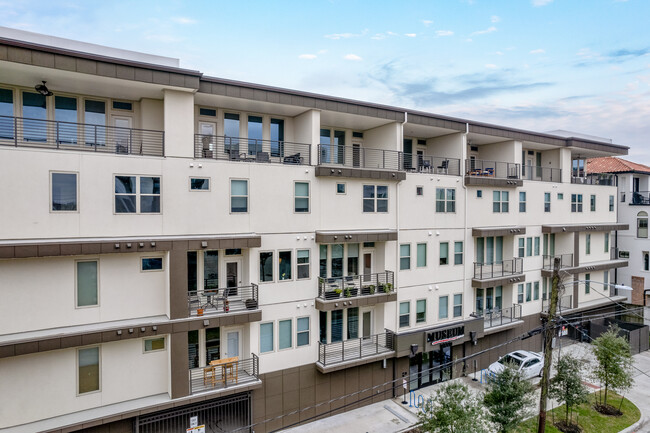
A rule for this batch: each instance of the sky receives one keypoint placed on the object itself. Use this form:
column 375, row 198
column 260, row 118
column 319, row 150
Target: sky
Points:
column 579, row 65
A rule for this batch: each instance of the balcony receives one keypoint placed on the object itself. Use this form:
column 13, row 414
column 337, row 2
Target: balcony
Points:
column 495, row 173
column 49, row 134
column 566, row 261
column 497, row 273
column 564, row 303
column 499, row 316
column 217, row 301
column 641, row 198
column 543, row 174
column 251, row 150
column 357, row 351
column 224, row 374
column 595, row 179
column 356, row 290
column 431, row 164
column 356, row 161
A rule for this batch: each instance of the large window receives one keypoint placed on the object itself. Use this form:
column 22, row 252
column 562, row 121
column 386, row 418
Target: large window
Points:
column 336, row 326
column 611, row 203
column 332, row 148
column 444, row 253
column 285, row 334
column 375, row 198
column 332, row 264
column 520, row 293
column 64, row 192
column 500, row 203
column 277, row 137
column 301, row 197
column 35, row 114
column 588, row 243
column 458, row 305
column 489, row 250
column 95, row 122
column 404, row 314
column 458, row 253
column 87, row 283
column 254, row 135
column 302, row 264
column 522, row 249
column 353, row 323
column 642, row 224
column 421, row 311
column 522, row 201
column 405, row 257
column 529, row 292
column 231, row 133
column 587, row 283
column 576, row 202
column 6, row 110
column 65, row 111
column 536, row 239
column 536, row 290
column 443, row 307
column 302, row 331
column 137, row 194
column 266, row 266
column 266, row 337
column 284, row 265
column 422, row 255
column 547, row 202
column 88, row 369
column 592, row 203
column 445, row 200
column 238, row 196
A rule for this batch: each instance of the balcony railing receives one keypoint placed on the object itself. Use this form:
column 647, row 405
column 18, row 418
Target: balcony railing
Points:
column 251, row 150
column 638, row 197
column 566, row 261
column 358, row 348
column 544, row 174
column 500, row 316
column 431, row 164
column 222, row 300
column 223, row 374
column 50, row 134
column 356, row 285
column 595, row 179
column 565, row 303
column 494, row 169
column 359, row 157
column 485, row 271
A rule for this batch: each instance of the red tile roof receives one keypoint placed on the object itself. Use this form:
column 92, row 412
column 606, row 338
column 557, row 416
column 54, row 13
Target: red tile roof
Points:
column 610, row 164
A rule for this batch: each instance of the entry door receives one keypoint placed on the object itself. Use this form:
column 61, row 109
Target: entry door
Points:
column 122, row 135
column 366, row 324
column 529, row 168
column 367, row 267
column 356, row 155
column 233, row 276
column 208, row 131
column 635, row 184
column 233, row 340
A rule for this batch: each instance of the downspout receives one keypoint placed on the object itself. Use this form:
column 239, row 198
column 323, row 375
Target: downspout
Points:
column 618, row 215
column 465, row 248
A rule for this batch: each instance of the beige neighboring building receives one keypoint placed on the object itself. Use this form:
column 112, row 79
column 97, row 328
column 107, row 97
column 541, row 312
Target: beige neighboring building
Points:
column 177, row 248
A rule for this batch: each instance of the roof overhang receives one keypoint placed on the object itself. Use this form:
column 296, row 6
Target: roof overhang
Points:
column 568, row 228
column 332, row 237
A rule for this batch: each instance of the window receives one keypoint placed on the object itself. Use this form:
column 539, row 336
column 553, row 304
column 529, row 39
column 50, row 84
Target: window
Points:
column 529, row 292
column 254, row 136
column 489, row 249
column 152, row 264
column 444, row 253
column 233, row 251
column 127, row 190
column 238, row 196
column 443, row 307
column 231, row 133
column 479, row 193
column 87, row 283
column 404, row 314
column 375, row 197
column 353, row 259
column 353, row 323
column 340, row 188
column 302, row 331
column 522, row 248
column 536, row 290
column 285, row 334
column 208, row 112
column 302, row 264
column 588, row 243
column 606, row 242
column 445, row 200
column 419, row 190
column 210, row 269
column 592, row 203
column 458, row 253
column 128, row 106
column 266, row 337
column 642, row 224
column 544, row 288
column 277, row 137
column 529, row 247
column 336, row 326
column 7, row 110
column 421, row 311
column 623, row 254
column 266, row 266
column 522, row 201
column 536, row 245
column 284, row 265
column 405, row 256
column 422, row 255
column 520, row 294
column 154, row 344
column 64, row 192
column 88, row 365
column 95, row 115
column 560, row 196
column 199, row 184
column 587, row 283
column 500, row 202
column 646, row 261
column 34, row 112
column 611, row 203
column 301, row 197
column 547, row 202
column 65, row 110
column 458, row 305
column 576, row 202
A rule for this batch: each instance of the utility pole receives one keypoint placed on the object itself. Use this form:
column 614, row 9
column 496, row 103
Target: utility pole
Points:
column 548, row 344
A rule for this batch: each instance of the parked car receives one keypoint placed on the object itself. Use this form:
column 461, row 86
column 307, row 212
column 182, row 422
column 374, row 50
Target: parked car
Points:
column 529, row 364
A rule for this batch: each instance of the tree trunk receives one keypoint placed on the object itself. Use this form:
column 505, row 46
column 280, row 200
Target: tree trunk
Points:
column 621, row 405
column 567, row 412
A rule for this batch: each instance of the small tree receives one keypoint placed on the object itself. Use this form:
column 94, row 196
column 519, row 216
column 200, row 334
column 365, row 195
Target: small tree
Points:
column 567, row 384
column 614, row 368
column 453, row 409
column 509, row 399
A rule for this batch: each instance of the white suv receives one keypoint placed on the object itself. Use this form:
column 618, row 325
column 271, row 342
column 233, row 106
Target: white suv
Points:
column 529, row 364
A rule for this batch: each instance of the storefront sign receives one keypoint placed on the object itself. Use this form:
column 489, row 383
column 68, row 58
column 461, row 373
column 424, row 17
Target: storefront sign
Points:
column 445, row 335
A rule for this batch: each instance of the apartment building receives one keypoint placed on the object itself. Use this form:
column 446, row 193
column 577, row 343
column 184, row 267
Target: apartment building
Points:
column 633, row 197
column 187, row 250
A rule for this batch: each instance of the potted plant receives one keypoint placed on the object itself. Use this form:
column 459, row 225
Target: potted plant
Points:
column 251, row 304
column 388, row 287
column 368, row 290
column 199, row 311
column 351, row 291
column 333, row 294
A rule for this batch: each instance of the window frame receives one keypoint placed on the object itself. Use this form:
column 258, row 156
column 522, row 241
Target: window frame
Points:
column 458, row 253
column 296, row 197
column 162, row 263
column 445, row 202
column 99, row 367
column 345, row 188
column 592, row 203
column 272, row 323
column 547, row 203
column 522, row 203
column 576, row 203
column 290, row 251
column 587, row 244
column 419, row 302
column 419, row 190
column 417, row 252
column 455, row 305
column 498, row 205
column 138, row 194
column 611, row 203
column 291, row 328
column 375, row 199
column 247, row 196
column 272, row 252
column 52, row 173
column 76, row 283
column 303, row 265
column 639, row 218
column 446, row 316
column 200, row 190
column 404, row 257
column 440, row 256
column 308, row 331
column 144, row 344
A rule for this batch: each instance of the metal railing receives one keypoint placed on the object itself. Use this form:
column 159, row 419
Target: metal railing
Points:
column 544, row 174
column 50, row 134
column 494, row 169
column 357, row 348
column 500, row 316
column 638, row 197
column 595, row 179
column 431, row 164
column 566, row 261
column 356, row 285
column 359, row 157
column 221, row 376
column 484, row 271
column 251, row 150
column 222, row 300
column 565, row 303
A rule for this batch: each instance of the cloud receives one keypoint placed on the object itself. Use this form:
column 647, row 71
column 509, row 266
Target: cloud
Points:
column 483, row 32
column 589, row 58
column 538, row 3
column 444, row 33
column 307, row 56
column 499, row 53
column 427, row 23
column 352, row 57
column 538, row 51
column 495, row 19
column 630, row 53
column 491, row 66
column 336, row 36
column 165, row 38
column 183, row 20
column 410, row 35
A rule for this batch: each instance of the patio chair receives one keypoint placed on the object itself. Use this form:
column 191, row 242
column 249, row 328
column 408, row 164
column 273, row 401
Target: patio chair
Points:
column 262, row 157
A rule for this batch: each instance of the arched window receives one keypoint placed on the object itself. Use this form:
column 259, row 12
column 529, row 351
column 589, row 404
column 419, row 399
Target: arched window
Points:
column 642, row 224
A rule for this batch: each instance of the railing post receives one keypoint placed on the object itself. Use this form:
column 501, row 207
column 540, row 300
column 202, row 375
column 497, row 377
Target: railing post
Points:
column 342, row 350
column 95, row 127
column 15, row 131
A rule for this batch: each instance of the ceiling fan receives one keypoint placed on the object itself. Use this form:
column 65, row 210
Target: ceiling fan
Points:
column 43, row 90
